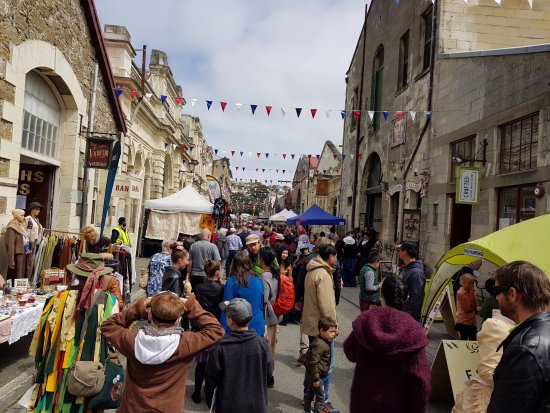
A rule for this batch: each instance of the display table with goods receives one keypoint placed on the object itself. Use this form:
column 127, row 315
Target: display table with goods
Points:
column 20, row 313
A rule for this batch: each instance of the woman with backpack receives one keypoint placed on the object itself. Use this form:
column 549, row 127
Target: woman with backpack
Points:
column 270, row 280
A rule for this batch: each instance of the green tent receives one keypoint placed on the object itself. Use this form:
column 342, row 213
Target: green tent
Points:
column 526, row 241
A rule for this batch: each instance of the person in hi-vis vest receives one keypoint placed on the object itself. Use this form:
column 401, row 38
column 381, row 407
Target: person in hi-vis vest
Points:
column 120, row 233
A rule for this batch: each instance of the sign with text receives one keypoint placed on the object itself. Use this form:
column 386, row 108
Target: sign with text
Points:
column 455, row 363
column 127, row 189
column 98, row 153
column 467, row 184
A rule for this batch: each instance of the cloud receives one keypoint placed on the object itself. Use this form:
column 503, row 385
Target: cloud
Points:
column 279, row 53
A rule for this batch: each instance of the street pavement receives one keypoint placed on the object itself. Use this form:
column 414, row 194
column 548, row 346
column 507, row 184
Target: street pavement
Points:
column 285, row 397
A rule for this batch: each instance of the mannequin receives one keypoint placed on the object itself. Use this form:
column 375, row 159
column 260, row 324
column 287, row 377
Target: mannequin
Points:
column 17, row 245
column 35, row 233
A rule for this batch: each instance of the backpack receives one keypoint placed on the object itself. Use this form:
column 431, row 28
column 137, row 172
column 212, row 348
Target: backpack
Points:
column 285, row 297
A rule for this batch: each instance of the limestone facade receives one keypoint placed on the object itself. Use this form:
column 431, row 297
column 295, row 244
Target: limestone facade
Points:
column 221, row 170
column 303, row 188
column 201, row 153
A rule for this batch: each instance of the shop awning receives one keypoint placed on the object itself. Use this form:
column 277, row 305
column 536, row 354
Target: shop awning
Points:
column 315, row 215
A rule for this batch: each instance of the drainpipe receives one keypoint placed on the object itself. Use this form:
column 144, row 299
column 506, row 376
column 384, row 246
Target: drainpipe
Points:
column 86, row 178
column 359, row 139
column 424, row 129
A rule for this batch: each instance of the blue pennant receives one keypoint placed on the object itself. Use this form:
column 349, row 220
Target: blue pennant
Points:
column 208, row 104
column 253, row 107
column 343, row 113
column 386, row 114
column 298, row 111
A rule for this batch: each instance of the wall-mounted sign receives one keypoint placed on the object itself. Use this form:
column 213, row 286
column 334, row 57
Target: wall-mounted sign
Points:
column 98, row 153
column 411, row 225
column 467, row 184
column 127, row 188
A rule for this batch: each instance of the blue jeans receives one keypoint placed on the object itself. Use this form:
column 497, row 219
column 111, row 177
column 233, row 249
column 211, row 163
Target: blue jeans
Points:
column 312, row 392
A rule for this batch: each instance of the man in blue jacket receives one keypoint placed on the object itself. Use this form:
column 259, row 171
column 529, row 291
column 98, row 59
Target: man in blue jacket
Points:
column 414, row 277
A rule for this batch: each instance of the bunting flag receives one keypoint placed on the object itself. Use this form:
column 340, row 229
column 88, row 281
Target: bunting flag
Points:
column 179, row 100
column 244, row 168
column 238, row 106
column 283, row 111
column 399, row 115
column 241, row 153
column 237, row 168
column 356, row 114
column 386, row 114
column 313, row 113
column 318, row 156
column 223, row 105
column 371, row 114
column 216, row 151
column 232, row 153
column 191, row 148
column 133, row 94
column 193, row 101
column 284, row 170
column 413, row 115
column 530, row 3
column 309, row 157
column 263, row 170
column 266, row 155
column 259, row 153
column 118, row 92
column 253, row 107
column 149, row 95
column 343, row 156
column 257, row 169
column 352, row 155
column 298, row 111
column 165, row 145
column 428, row 115
column 208, row 104
column 268, row 110
column 284, row 155
column 292, row 155
column 163, row 99
column 343, row 113
column 335, row 156
column 328, row 113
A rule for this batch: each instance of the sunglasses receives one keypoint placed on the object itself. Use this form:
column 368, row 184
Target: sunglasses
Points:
column 498, row 289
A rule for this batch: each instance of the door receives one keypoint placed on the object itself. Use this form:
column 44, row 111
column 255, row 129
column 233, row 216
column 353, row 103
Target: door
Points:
column 374, row 203
column 461, row 223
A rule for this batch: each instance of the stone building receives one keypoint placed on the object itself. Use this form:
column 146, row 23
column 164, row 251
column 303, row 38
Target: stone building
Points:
column 326, row 180
column 392, row 83
column 48, row 55
column 200, row 152
column 221, row 170
column 302, row 184
column 155, row 158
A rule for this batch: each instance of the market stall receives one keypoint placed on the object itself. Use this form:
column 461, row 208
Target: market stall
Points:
column 523, row 241
column 315, row 215
column 179, row 213
column 282, row 216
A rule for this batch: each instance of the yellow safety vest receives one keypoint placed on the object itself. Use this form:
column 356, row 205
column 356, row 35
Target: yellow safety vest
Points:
column 122, row 236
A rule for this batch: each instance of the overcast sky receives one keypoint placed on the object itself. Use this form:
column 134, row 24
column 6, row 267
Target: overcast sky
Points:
column 286, row 53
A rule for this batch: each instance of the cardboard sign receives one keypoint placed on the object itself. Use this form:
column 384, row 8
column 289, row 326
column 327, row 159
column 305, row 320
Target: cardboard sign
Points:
column 455, row 363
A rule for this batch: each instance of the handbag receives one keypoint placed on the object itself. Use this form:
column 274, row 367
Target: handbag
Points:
column 86, row 378
column 110, row 395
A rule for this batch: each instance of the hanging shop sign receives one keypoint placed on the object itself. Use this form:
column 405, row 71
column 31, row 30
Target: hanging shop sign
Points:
column 127, row 188
column 98, row 153
column 467, row 184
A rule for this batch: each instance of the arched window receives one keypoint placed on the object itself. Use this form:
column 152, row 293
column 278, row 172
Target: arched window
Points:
column 377, row 85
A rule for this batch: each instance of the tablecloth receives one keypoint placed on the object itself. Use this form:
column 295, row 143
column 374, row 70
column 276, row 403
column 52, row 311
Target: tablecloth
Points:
column 21, row 324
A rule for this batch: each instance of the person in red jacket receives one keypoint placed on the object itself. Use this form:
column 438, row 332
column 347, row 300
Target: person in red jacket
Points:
column 388, row 345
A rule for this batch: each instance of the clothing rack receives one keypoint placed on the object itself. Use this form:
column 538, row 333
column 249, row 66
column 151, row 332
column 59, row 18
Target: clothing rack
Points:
column 59, row 231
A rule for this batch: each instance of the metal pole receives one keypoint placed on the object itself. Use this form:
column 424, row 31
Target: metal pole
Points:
column 91, row 117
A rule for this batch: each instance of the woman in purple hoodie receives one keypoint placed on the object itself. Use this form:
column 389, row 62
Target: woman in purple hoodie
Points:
column 388, row 345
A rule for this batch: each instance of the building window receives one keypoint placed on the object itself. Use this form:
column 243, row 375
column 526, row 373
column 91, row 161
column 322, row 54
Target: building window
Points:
column 427, row 27
column 518, row 144
column 377, row 85
column 516, row 204
column 403, row 76
column 462, row 154
column 354, row 106
column 435, row 215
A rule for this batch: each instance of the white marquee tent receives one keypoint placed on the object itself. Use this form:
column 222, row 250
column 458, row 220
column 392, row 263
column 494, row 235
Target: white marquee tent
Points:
column 282, row 216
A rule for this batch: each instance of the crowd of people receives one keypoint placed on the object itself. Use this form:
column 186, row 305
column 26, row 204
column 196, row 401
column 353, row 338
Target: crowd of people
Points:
column 218, row 300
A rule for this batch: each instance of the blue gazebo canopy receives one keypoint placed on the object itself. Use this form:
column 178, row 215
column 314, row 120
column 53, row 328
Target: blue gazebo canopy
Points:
column 314, row 215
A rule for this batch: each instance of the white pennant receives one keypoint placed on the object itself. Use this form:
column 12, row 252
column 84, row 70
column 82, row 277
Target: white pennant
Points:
column 174, row 146
column 249, row 153
column 352, row 155
column 239, row 106
column 530, row 3
column 466, row 1
column 371, row 114
column 498, row 2
column 283, row 111
column 413, row 115
column 328, row 113
column 193, row 101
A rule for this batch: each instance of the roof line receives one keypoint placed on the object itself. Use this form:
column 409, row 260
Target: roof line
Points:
column 101, row 53
column 508, row 51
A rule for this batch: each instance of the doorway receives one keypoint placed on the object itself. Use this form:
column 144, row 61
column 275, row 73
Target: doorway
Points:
column 374, row 209
column 461, row 223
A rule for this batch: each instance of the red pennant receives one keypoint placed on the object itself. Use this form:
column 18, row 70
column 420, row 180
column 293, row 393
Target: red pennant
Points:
column 133, row 94
column 356, row 113
column 399, row 115
column 237, row 168
column 232, row 153
column 337, row 170
column 179, row 100
column 183, row 148
column 313, row 112
column 309, row 156
column 334, row 156
column 360, row 156
column 223, row 105
column 257, row 169
column 284, row 155
column 268, row 109
column 259, row 153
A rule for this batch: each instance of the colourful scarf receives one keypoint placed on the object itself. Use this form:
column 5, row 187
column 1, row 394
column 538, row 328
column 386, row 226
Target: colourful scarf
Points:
column 89, row 288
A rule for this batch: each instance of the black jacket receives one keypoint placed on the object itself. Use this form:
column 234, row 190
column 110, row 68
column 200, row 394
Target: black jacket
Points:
column 239, row 367
column 522, row 378
column 172, row 280
column 415, row 279
column 209, row 295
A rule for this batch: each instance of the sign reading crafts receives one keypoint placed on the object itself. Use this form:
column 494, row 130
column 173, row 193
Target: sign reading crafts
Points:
column 467, row 184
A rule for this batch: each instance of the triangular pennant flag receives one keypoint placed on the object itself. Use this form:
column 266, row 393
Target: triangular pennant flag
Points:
column 318, row 156
column 237, row 168
column 337, row 170
column 268, row 110
column 259, row 154
column 352, row 155
column 165, row 145
column 263, row 170
column 249, row 153
column 216, row 151
column 257, row 169
column 343, row 113
column 284, row 170
column 193, row 101
column 360, row 156
column 284, row 155
column 298, row 111
column 179, row 100
column 309, row 157
column 232, row 153
column 335, row 156
column 239, row 106
column 413, row 115
column 208, row 104
column 399, row 115
column 371, row 114
column 242, row 153
column 163, row 98
column 530, row 3
column 253, row 107
column 292, row 155
column 313, row 113
column 266, row 155
column 277, row 170
column 223, row 105
column 428, row 115
column 174, row 146
column 386, row 114
column 283, row 111
column 343, row 156
column 328, row 113
column 118, row 92
column 498, row 2
column 133, row 94
column 243, row 168
column 356, row 114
